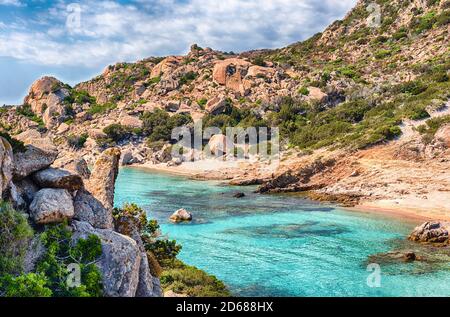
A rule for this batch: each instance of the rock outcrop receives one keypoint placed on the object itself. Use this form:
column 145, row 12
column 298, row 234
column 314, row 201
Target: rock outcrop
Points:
column 103, row 177
column 51, row 206
column 434, row 232
column 6, row 164
column 58, row 178
column 38, row 155
column 120, row 260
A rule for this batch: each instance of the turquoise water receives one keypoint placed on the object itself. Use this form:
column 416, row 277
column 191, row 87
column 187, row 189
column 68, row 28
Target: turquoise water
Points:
column 279, row 245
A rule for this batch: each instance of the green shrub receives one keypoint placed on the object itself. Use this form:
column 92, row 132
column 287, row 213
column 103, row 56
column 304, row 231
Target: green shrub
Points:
column 187, row 78
column 188, row 280
column 158, row 125
column 62, row 251
column 27, row 285
column 25, row 110
column 15, row 235
column 17, row 146
column 116, row 132
column 100, row 109
column 79, row 97
column 77, row 141
column 303, row 91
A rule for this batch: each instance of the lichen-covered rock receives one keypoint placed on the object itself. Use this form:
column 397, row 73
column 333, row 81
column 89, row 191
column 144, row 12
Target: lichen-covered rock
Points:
column 120, row 261
column 74, row 164
column 45, row 92
column 51, row 206
column 181, row 215
column 58, row 178
column 432, row 232
column 90, row 209
column 39, row 154
column 6, row 164
column 103, row 177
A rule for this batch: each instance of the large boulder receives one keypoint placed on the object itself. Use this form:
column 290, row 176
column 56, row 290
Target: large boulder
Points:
column 166, row 66
column 443, row 135
column 219, row 144
column 120, row 261
column 22, row 192
column 51, row 206
column 181, row 215
column 91, row 210
column 130, row 121
column 74, row 164
column 58, row 178
column 231, row 72
column 39, row 154
column 217, row 105
column 6, row 164
column 44, row 93
column 432, row 232
column 103, row 177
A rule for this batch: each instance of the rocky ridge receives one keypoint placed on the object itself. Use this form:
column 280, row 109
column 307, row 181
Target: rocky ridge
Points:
column 47, row 194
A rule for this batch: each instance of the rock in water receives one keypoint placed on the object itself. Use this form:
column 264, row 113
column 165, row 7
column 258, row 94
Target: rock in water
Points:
column 58, row 178
column 181, row 215
column 38, row 155
column 239, row 195
column 103, row 177
column 51, row 206
column 120, row 261
column 432, row 232
column 6, row 164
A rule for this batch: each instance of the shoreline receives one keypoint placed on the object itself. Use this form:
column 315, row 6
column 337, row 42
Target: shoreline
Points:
column 386, row 208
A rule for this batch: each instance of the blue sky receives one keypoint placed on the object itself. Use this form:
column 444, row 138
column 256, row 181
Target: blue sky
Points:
column 76, row 40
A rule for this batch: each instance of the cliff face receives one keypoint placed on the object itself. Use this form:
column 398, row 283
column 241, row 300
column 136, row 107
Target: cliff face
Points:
column 53, row 193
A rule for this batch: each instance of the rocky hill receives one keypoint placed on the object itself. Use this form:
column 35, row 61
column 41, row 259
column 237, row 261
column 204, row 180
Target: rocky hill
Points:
column 363, row 111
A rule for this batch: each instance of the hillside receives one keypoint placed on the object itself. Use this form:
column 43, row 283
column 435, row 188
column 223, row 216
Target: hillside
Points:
column 357, row 107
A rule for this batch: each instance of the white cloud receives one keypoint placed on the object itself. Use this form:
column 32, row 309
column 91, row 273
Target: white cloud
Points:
column 16, row 3
column 112, row 32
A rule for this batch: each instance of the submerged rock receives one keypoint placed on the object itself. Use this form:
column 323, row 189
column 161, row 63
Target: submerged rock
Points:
column 432, row 232
column 239, row 195
column 51, row 206
column 181, row 215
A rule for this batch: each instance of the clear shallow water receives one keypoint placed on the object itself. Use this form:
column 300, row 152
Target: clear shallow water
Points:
column 279, row 245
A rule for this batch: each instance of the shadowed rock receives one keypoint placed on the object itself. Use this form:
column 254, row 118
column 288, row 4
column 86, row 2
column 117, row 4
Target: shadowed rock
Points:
column 120, row 261
column 91, row 210
column 51, row 206
column 58, row 178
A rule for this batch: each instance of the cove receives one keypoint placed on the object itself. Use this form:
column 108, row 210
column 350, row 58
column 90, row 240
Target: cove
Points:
column 266, row 245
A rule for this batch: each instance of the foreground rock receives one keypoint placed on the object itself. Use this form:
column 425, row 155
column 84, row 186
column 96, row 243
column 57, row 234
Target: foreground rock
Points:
column 6, row 161
column 120, row 260
column 103, row 177
column 39, row 155
column 181, row 215
column 51, row 206
column 432, row 232
column 57, row 178
column 90, row 209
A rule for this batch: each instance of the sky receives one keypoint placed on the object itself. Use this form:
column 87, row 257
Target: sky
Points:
column 75, row 40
